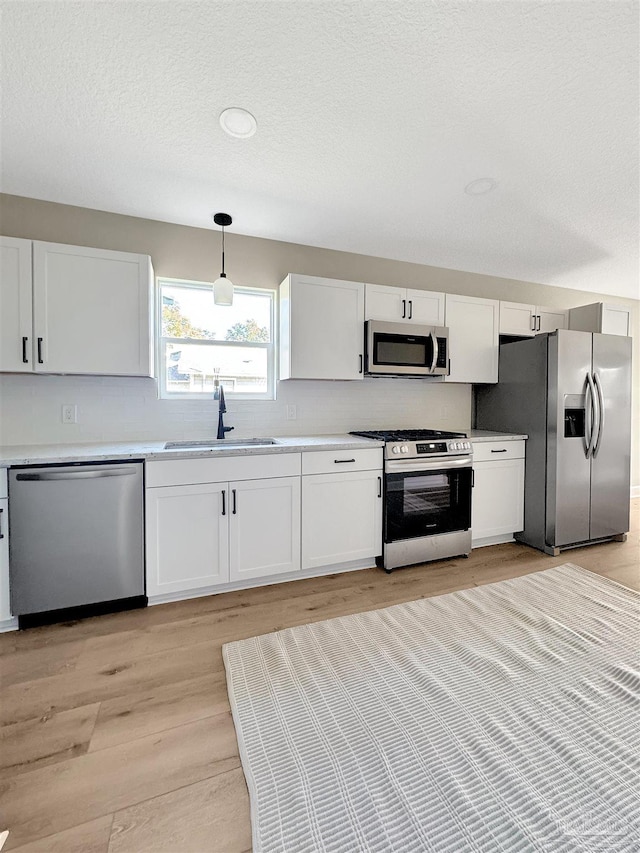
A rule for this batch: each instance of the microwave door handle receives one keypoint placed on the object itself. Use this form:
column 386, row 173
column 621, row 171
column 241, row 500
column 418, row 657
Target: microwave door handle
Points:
column 434, row 352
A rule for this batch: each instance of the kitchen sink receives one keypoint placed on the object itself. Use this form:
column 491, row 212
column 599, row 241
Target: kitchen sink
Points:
column 218, row 444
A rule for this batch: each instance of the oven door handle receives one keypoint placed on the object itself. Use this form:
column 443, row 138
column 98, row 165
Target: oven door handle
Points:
column 408, row 466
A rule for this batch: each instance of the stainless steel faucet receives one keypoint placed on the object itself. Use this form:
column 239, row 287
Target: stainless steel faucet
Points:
column 222, row 408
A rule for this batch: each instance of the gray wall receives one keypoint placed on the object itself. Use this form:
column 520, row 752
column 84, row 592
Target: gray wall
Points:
column 193, row 253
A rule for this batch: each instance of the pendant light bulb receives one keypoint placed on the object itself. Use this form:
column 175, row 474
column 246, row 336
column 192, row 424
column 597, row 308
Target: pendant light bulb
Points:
column 222, row 286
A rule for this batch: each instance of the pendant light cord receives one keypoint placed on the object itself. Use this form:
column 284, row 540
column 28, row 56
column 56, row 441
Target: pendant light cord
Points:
column 223, row 272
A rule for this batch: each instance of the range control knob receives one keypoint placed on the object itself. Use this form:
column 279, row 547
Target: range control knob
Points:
column 404, row 449
column 395, row 449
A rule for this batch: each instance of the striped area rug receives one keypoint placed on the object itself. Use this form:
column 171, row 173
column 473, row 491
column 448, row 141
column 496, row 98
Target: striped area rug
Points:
column 499, row 718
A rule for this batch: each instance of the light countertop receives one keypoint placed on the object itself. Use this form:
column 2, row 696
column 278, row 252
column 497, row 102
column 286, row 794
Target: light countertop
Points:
column 47, row 454
column 491, row 435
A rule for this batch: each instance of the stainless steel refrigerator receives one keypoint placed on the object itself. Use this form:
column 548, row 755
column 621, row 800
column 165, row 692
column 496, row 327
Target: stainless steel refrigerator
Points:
column 570, row 392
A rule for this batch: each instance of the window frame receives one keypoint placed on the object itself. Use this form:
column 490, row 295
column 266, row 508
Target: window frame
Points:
column 161, row 341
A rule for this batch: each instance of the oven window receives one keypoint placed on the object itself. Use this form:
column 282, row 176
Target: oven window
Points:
column 425, row 503
column 402, row 352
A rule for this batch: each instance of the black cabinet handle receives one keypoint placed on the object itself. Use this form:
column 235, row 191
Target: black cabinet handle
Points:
column 233, row 495
column 379, row 487
column 338, row 461
column 25, row 358
column 504, row 450
column 534, row 319
column 410, row 309
column 40, row 361
column 404, row 308
column 1, row 533
column 360, row 369
column 224, row 502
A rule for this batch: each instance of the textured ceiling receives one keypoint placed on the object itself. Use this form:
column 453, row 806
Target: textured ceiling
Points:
column 372, row 118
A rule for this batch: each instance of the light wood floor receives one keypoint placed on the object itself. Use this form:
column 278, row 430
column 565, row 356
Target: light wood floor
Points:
column 116, row 730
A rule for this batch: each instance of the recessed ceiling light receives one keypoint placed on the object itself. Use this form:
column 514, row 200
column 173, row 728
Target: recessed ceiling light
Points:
column 238, row 122
column 481, row 186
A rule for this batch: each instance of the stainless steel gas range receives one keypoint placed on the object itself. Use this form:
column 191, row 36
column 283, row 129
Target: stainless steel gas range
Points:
column 427, row 495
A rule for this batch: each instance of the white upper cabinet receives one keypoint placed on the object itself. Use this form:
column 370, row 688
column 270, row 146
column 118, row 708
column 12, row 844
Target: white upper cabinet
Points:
column 523, row 320
column 70, row 309
column 16, row 343
column 321, row 328
column 91, row 311
column 601, row 317
column 399, row 304
column 473, row 338
column 551, row 319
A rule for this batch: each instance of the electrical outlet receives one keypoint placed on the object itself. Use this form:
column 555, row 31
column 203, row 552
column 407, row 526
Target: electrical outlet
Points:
column 292, row 411
column 70, row 414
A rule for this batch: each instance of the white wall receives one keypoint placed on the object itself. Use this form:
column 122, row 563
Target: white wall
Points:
column 117, row 409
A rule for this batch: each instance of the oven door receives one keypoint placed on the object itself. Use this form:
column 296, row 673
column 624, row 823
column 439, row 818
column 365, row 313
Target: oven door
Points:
column 426, row 497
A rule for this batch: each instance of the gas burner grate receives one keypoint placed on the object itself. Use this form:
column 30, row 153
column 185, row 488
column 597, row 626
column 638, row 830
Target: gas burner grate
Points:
column 407, row 434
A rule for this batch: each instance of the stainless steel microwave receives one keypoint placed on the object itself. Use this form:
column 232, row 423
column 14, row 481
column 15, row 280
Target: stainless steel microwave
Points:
column 403, row 349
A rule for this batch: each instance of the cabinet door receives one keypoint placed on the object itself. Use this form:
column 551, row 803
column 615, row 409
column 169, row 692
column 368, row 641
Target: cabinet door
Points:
column 326, row 328
column 5, row 606
column 16, row 342
column 498, row 498
column 92, row 311
column 517, row 319
column 616, row 320
column 341, row 518
column 187, row 535
column 473, row 338
column 550, row 319
column 425, row 307
column 382, row 302
column 264, row 527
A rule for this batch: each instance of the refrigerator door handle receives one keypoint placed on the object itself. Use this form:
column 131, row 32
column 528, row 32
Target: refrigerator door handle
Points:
column 598, row 384
column 590, row 416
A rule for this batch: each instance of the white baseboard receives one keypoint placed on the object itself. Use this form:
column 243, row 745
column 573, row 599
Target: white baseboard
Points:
column 352, row 566
column 8, row 625
column 635, row 491
column 492, row 540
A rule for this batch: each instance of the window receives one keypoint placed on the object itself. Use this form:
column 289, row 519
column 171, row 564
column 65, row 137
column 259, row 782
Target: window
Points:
column 203, row 344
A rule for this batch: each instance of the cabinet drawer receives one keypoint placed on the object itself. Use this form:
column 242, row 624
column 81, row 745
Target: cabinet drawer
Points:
column 3, row 483
column 184, row 472
column 335, row 461
column 487, row 451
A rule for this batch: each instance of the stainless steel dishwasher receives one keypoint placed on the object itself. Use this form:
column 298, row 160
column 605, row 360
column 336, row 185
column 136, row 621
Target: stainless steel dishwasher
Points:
column 76, row 540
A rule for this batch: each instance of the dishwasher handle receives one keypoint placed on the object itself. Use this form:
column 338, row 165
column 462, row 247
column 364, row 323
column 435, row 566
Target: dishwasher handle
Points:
column 93, row 474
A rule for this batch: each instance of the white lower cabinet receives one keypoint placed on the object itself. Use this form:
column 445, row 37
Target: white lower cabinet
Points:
column 264, row 528
column 208, row 524
column 497, row 509
column 5, row 604
column 187, row 537
column 341, row 517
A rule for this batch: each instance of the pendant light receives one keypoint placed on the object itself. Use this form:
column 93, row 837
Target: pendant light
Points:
column 222, row 287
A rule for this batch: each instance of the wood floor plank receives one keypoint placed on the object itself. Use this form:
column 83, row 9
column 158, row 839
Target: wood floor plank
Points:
column 27, row 664
column 52, row 799
column 208, row 817
column 46, row 740
column 138, row 714
column 91, row 837
column 44, row 696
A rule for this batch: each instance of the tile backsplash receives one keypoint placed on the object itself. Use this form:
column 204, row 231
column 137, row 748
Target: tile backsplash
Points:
column 128, row 409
